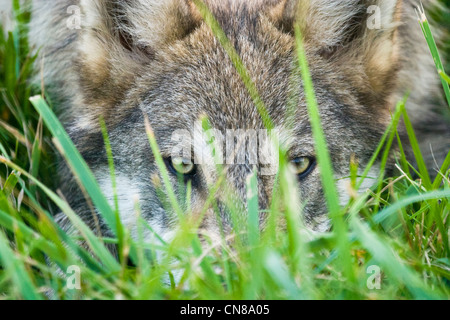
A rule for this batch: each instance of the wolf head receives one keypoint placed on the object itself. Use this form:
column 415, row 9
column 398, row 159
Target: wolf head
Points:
column 159, row 59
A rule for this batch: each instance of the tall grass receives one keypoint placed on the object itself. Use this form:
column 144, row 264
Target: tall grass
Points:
column 399, row 227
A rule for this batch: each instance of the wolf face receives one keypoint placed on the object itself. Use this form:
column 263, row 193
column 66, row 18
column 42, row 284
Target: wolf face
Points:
column 159, row 59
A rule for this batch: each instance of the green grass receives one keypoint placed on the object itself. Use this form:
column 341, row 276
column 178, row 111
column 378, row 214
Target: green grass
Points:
column 400, row 226
column 424, row 24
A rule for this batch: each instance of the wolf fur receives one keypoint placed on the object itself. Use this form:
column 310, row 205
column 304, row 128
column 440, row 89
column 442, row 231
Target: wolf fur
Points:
column 6, row 14
column 158, row 58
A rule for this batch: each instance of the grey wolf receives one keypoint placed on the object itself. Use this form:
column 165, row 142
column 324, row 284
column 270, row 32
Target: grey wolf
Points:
column 159, row 58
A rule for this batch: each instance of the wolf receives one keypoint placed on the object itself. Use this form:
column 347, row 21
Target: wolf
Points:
column 128, row 60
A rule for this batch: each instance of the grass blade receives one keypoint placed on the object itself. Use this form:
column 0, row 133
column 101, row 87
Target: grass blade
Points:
column 76, row 162
column 433, row 48
column 323, row 159
column 17, row 270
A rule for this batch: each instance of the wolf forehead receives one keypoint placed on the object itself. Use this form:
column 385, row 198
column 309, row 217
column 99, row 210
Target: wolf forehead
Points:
column 196, row 75
column 163, row 59
column 194, row 71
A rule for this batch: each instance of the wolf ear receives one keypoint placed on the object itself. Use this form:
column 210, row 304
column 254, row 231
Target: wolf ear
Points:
column 354, row 31
column 118, row 36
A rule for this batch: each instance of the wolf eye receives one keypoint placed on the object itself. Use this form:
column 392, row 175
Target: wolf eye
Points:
column 182, row 166
column 302, row 166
